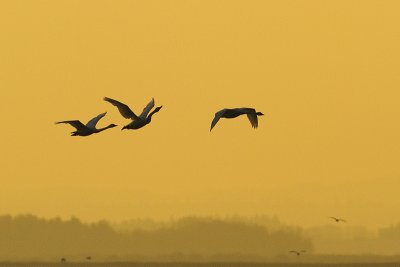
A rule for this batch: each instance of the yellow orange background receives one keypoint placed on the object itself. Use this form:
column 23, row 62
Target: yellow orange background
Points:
column 325, row 73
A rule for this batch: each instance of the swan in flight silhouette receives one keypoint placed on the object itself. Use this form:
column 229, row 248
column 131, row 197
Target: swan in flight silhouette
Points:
column 337, row 219
column 137, row 121
column 230, row 113
column 89, row 128
column 297, row 252
column 89, row 258
column 63, row 260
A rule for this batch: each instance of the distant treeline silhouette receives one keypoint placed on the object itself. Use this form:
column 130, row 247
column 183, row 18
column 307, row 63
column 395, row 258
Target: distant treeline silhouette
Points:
column 391, row 232
column 353, row 239
column 261, row 238
column 27, row 237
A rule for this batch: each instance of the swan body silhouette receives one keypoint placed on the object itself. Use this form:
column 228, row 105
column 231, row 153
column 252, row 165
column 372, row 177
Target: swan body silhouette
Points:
column 137, row 121
column 297, row 252
column 230, row 113
column 337, row 219
column 89, row 128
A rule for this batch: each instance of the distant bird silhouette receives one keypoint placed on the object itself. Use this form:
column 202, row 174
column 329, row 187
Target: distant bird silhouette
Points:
column 137, row 121
column 89, row 128
column 297, row 252
column 88, row 258
column 230, row 113
column 338, row 219
column 63, row 260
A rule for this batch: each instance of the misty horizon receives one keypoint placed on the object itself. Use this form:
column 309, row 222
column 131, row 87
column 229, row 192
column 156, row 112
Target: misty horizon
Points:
column 260, row 238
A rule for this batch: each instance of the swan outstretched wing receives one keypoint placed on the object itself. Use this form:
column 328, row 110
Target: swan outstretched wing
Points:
column 92, row 123
column 251, row 115
column 125, row 111
column 147, row 109
column 75, row 123
column 253, row 119
column 218, row 115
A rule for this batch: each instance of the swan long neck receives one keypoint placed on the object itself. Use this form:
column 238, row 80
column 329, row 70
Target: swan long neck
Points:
column 105, row 128
column 152, row 113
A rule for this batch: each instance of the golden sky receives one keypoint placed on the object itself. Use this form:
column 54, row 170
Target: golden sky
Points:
column 325, row 73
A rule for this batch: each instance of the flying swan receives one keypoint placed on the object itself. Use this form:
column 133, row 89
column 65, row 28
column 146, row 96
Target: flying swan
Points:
column 89, row 128
column 137, row 121
column 230, row 113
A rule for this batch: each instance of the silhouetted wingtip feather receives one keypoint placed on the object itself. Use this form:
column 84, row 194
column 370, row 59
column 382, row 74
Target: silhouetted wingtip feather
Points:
column 123, row 109
column 93, row 122
column 147, row 109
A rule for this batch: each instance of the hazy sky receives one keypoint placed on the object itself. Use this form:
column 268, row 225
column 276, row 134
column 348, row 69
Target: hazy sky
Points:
column 325, row 73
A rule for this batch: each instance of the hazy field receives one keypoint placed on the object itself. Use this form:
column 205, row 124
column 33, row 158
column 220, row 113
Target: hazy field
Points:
column 126, row 264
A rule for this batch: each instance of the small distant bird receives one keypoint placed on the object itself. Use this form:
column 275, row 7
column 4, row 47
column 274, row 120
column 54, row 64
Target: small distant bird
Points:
column 137, row 121
column 297, row 252
column 230, row 113
column 63, row 260
column 88, row 258
column 89, row 128
column 338, row 219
